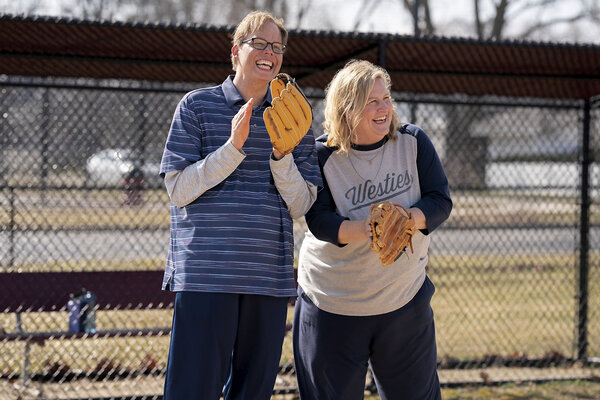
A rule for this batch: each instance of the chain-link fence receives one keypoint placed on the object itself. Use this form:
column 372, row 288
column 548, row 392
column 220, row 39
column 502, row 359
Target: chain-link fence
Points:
column 84, row 230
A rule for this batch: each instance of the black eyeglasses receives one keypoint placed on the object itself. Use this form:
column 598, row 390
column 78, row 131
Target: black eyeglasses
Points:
column 261, row 44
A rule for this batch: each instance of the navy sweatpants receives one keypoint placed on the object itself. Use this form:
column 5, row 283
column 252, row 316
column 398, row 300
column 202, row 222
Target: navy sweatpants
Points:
column 332, row 352
column 224, row 343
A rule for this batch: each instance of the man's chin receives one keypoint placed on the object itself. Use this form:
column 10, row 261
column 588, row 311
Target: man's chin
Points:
column 266, row 74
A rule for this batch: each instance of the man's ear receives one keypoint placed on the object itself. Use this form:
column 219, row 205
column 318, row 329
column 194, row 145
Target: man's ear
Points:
column 234, row 50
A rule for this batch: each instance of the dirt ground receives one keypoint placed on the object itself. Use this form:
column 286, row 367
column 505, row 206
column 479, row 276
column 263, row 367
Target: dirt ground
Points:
column 152, row 385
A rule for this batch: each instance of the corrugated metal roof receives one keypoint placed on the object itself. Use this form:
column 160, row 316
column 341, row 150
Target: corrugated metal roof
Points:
column 58, row 47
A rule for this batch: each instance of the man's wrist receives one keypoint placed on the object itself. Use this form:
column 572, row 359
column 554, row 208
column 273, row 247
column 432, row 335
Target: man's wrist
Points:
column 276, row 156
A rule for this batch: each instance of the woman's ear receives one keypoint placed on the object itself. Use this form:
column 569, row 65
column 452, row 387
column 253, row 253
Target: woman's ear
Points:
column 234, row 50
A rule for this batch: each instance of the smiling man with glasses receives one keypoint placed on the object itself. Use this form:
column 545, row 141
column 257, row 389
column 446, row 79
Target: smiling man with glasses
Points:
column 233, row 198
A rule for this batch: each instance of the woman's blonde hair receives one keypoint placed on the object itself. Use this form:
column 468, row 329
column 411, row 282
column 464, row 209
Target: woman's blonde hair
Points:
column 345, row 99
column 252, row 23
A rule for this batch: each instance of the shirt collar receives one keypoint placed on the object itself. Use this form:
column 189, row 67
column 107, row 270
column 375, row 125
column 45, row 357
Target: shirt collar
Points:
column 233, row 97
column 367, row 147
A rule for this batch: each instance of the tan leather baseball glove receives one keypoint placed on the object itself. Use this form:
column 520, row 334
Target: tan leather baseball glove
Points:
column 392, row 227
column 289, row 117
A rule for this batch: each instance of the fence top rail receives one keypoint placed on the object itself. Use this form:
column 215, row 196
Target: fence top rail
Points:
column 313, row 93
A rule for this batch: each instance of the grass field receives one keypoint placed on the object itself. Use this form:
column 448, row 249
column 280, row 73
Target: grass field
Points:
column 524, row 306
column 482, row 307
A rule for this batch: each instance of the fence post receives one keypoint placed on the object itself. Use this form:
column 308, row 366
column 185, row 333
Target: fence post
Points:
column 45, row 138
column 584, row 244
column 11, row 229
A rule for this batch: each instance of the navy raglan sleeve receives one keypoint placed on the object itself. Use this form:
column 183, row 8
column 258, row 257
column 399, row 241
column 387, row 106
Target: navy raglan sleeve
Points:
column 322, row 219
column 435, row 200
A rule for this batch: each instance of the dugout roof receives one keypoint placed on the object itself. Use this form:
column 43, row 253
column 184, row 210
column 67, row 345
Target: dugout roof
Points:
column 58, row 47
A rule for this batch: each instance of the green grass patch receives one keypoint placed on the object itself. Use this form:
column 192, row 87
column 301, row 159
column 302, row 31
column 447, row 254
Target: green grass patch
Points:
column 85, row 209
column 523, row 305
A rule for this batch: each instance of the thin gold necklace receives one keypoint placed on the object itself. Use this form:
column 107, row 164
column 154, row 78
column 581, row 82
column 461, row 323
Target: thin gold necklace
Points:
column 370, row 162
column 371, row 159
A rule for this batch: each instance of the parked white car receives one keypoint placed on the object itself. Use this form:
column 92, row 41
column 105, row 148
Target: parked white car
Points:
column 110, row 167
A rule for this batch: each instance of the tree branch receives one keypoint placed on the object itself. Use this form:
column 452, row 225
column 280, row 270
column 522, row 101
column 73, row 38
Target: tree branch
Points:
column 478, row 24
column 368, row 8
column 429, row 28
column 499, row 20
column 524, row 6
column 302, row 13
column 555, row 21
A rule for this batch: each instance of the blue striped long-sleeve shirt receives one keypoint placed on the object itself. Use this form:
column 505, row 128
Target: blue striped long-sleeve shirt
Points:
column 237, row 236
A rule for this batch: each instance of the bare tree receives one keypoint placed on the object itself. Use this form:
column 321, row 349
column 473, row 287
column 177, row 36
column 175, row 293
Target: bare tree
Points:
column 418, row 9
column 466, row 154
column 240, row 8
column 506, row 15
column 493, row 26
column 91, row 9
column 26, row 7
column 421, row 13
column 303, row 7
column 588, row 10
column 172, row 11
column 217, row 12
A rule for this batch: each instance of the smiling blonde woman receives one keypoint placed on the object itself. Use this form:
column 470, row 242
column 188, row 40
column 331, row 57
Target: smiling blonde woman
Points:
column 351, row 311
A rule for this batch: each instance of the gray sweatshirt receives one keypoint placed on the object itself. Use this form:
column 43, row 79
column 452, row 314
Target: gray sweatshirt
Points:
column 349, row 279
